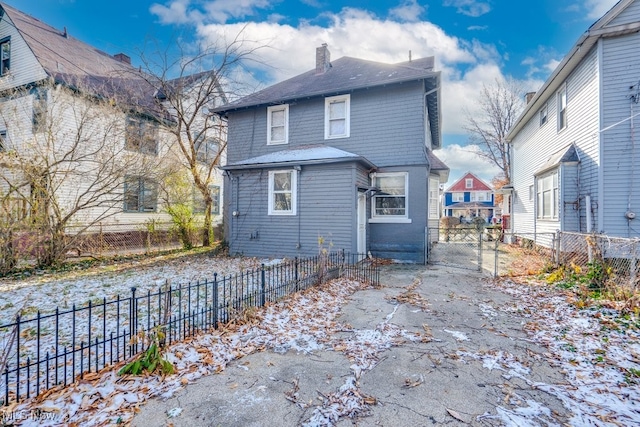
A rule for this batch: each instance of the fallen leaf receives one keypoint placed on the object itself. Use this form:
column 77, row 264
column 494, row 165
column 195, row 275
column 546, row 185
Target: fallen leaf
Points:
column 455, row 415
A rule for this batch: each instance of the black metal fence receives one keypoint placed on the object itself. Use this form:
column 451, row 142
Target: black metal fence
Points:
column 55, row 349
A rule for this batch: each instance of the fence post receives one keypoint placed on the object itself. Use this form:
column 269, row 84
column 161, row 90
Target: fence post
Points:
column 262, row 286
column 215, row 301
column 633, row 266
column 480, row 250
column 132, row 318
column 296, row 276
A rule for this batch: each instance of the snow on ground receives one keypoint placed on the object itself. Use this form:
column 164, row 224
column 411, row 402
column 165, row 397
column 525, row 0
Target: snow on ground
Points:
column 597, row 349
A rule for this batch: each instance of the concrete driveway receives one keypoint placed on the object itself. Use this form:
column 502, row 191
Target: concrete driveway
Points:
column 447, row 378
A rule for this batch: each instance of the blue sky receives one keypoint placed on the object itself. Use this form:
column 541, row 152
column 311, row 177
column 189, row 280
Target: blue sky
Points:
column 474, row 41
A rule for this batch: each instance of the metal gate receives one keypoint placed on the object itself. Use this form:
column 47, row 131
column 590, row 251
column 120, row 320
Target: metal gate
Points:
column 456, row 247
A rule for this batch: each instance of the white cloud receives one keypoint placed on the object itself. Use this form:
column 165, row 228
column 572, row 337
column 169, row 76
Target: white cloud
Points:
column 462, row 159
column 184, row 12
column 597, row 8
column 409, row 11
column 472, row 8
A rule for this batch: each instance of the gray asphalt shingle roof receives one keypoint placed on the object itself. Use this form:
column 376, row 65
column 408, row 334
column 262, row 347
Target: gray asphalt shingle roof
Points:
column 73, row 63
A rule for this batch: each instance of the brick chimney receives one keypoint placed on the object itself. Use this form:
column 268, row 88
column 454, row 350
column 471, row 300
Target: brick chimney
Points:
column 529, row 96
column 122, row 58
column 323, row 59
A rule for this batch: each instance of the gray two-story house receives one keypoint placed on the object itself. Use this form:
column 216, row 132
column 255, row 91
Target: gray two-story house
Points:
column 339, row 157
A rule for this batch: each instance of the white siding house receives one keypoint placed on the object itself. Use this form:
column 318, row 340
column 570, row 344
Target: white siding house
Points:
column 575, row 160
column 94, row 115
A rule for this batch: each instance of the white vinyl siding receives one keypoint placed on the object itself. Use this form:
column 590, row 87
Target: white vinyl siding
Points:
column 337, row 117
column 533, row 145
column 282, row 192
column 278, row 125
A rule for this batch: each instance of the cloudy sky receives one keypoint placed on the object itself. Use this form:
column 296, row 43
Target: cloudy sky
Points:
column 474, row 42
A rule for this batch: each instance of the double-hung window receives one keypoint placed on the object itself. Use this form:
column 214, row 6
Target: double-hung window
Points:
column 198, row 200
column 141, row 136
column 5, row 56
column 458, row 196
column 3, row 140
column 39, row 113
column 390, row 202
column 206, row 148
column 562, row 108
column 547, row 193
column 140, row 194
column 278, row 125
column 543, row 115
column 337, row 117
column 282, row 192
column 434, row 198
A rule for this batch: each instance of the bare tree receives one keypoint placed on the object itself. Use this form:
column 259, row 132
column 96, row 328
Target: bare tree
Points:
column 189, row 85
column 499, row 106
column 64, row 166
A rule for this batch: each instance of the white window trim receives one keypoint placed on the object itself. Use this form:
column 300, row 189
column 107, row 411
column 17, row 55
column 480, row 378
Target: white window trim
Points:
column 434, row 198
column 294, row 193
column 555, row 197
column 468, row 183
column 270, row 110
column 560, row 93
column 457, row 196
column 543, row 115
column 396, row 219
column 347, row 111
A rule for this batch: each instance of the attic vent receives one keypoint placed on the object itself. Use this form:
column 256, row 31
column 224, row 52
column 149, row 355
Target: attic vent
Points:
column 122, row 58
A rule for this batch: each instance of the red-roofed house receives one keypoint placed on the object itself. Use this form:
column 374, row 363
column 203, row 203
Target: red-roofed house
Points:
column 469, row 197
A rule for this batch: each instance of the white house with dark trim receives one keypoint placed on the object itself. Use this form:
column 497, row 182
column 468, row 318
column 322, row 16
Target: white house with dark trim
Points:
column 341, row 154
column 49, row 81
column 576, row 154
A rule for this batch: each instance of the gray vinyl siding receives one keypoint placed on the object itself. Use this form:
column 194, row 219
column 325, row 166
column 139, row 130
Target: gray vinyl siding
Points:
column 620, row 147
column 534, row 145
column 326, row 207
column 387, row 127
column 630, row 14
column 403, row 241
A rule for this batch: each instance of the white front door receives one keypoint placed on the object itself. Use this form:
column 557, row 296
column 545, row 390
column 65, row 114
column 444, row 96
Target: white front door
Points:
column 362, row 224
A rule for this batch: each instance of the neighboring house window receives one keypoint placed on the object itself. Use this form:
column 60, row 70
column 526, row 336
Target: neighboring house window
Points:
column 278, row 125
column 336, row 117
column 468, row 183
column 458, row 197
column 481, row 197
column 547, row 191
column 282, row 192
column 141, row 136
column 206, row 149
column 3, row 140
column 391, row 199
column 5, row 56
column 543, row 115
column 140, row 195
column 198, row 200
column 434, row 205
column 562, row 108
column 39, row 113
